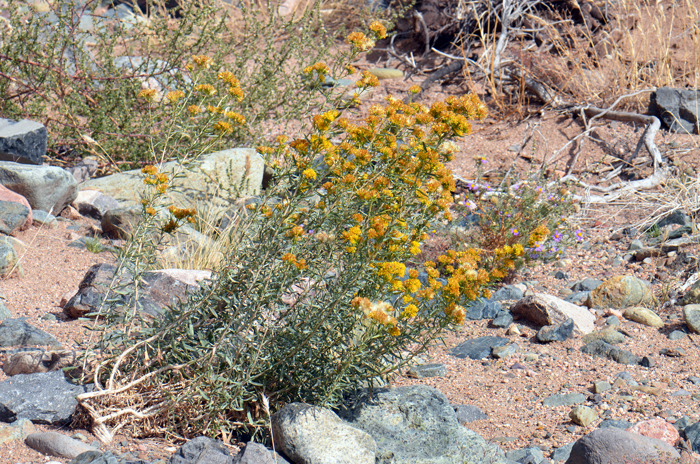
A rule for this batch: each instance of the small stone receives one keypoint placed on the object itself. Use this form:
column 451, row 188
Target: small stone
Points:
column 648, row 261
column 513, row 330
column 556, row 333
column 57, row 444
column 676, row 335
column 467, row 413
column 635, row 245
column 501, row 352
column 583, row 415
column 507, row 292
column 657, row 428
column 619, row 292
column 42, row 218
column 386, row 73
column 694, row 380
column 562, row 453
column 601, row 386
column 618, row 424
column 478, row 348
column 566, row 399
column 602, row 349
column 532, row 357
column 691, row 315
column 503, row 320
column 612, row 321
column 672, row 352
column 647, row 362
column 561, row 275
column 427, row 370
column 643, row 316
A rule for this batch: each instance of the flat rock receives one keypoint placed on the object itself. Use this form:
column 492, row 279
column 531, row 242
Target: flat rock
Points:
column 22, row 141
column 562, row 453
column 158, row 290
column 543, row 309
column 691, row 316
column 199, row 185
column 18, row 430
column 416, row 424
column 657, row 428
column 426, row 370
column 601, row 349
column 202, row 450
column 312, row 434
column 482, row 309
column 502, row 352
column 614, row 446
column 556, row 333
column 566, row 399
column 48, row 188
column 57, row 444
column 467, row 413
column 42, row 218
column 478, row 348
column 586, row 285
column 255, row 453
column 13, row 216
column 507, row 292
column 118, row 223
column 8, row 195
column 620, row 292
column 44, row 398
column 17, row 332
column 608, row 335
column 643, row 316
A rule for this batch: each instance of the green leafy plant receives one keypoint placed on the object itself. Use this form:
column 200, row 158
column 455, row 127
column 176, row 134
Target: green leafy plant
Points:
column 94, row 245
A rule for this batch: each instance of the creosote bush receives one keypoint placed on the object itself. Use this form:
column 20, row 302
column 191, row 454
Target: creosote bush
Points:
column 314, row 298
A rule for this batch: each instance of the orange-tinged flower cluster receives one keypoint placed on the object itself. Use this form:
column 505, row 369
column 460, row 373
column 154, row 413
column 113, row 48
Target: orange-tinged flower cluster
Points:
column 206, row 89
column 317, row 72
column 175, row 96
column 359, row 41
column 202, row 61
column 378, row 30
column 299, row 263
column 379, row 312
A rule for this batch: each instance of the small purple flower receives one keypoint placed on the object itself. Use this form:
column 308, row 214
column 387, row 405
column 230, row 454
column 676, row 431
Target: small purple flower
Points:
column 557, row 236
column 514, row 231
column 579, row 235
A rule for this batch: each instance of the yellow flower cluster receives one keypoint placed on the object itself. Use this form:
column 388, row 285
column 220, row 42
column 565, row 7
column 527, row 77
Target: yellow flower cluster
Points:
column 234, row 85
column 293, row 260
column 378, row 312
column 317, row 72
column 359, row 41
column 538, row 236
column 378, row 30
column 175, row 96
column 201, row 62
column 206, row 89
column 153, row 177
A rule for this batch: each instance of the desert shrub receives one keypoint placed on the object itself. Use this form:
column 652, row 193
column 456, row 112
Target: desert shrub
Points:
column 81, row 74
column 314, row 297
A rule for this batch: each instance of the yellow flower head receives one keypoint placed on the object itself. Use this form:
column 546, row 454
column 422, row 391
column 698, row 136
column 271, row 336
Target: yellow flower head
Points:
column 359, row 41
column 378, row 29
column 175, row 96
column 309, row 174
column 202, row 61
column 206, row 89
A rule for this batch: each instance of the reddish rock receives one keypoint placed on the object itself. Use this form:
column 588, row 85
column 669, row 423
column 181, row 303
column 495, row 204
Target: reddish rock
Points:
column 657, row 428
column 8, row 195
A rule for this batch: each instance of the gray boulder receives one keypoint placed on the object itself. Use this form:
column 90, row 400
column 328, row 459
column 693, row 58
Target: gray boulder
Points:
column 678, row 109
column 621, row 291
column 417, row 425
column 691, row 315
column 613, row 446
column 47, row 188
column 22, row 141
column 692, row 433
column 482, row 309
column 17, row 332
column 202, row 450
column 44, row 398
column 13, row 215
column 56, row 444
column 315, row 435
column 215, row 180
column 158, row 290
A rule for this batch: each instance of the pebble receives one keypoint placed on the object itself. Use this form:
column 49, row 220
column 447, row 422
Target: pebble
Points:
column 583, row 415
column 566, row 399
column 676, row 335
column 612, row 321
column 427, row 370
column 601, row 386
column 635, row 245
column 501, row 352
